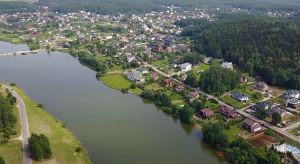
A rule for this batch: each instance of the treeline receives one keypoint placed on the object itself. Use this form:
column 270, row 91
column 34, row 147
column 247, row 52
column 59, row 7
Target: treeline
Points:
column 39, row 146
column 13, row 7
column 218, row 81
column 7, row 118
column 88, row 58
column 263, row 46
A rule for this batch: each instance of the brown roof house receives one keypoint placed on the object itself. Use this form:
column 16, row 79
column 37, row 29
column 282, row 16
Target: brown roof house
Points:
column 179, row 88
column 260, row 86
column 227, row 111
column 206, row 112
column 193, row 96
column 169, row 49
column 158, row 47
column 167, row 82
column 251, row 126
column 278, row 110
column 244, row 79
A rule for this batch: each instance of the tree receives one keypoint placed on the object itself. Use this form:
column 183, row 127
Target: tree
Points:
column 7, row 134
column 78, row 149
column 222, row 142
column 261, row 112
column 13, row 84
column 39, row 146
column 273, row 157
column 269, row 132
column 276, row 118
column 186, row 113
column 64, row 124
column 133, row 86
column 40, row 105
column 2, row 160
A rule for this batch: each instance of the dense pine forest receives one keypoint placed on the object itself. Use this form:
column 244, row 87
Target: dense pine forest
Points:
column 263, row 46
column 142, row 6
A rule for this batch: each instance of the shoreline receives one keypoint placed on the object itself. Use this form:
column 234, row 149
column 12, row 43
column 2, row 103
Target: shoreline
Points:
column 71, row 138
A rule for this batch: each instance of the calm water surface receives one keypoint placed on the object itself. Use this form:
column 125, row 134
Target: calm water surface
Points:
column 115, row 128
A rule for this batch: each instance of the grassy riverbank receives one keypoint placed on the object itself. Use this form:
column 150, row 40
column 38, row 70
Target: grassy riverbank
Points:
column 62, row 141
column 119, row 81
column 9, row 38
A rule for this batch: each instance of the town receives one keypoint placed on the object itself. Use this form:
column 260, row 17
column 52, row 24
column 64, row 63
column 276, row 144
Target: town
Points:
column 146, row 55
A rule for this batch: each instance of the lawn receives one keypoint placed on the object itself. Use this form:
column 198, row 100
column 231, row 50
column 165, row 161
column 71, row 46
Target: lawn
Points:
column 294, row 131
column 119, row 81
column 203, row 67
column 103, row 58
column 158, row 63
column 9, row 38
column 251, row 94
column 233, row 102
column 153, row 86
column 234, row 129
column 62, row 141
column 12, row 152
column 279, row 100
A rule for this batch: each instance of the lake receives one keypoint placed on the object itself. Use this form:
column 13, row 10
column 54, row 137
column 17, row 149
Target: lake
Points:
column 115, row 128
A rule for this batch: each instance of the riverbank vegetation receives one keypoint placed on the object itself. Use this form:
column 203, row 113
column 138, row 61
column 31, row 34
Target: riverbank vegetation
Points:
column 119, row 82
column 63, row 143
column 39, row 147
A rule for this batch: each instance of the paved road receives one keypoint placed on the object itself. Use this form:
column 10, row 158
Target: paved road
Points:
column 241, row 111
column 24, row 127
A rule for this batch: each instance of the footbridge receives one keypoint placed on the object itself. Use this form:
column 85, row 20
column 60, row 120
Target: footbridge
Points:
column 21, row 53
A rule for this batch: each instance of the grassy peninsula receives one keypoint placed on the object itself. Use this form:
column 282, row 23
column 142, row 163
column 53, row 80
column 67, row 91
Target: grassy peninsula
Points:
column 63, row 143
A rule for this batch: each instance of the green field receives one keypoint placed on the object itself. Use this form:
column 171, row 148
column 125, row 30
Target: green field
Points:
column 119, row 81
column 9, row 38
column 203, row 67
column 12, row 152
column 62, row 141
column 233, row 102
column 159, row 63
column 234, row 129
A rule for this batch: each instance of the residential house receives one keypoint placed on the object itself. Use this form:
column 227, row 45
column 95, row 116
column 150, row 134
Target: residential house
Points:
column 168, row 49
column 193, row 95
column 251, row 126
column 148, row 52
column 284, row 148
column 179, row 88
column 265, row 104
column 207, row 59
column 135, row 76
column 173, row 65
column 167, row 82
column 293, row 103
column 227, row 65
column 227, row 111
column 206, row 112
column 278, row 110
column 244, row 79
column 142, row 70
column 130, row 58
column 186, row 67
column 260, row 86
column 158, row 47
column 239, row 96
column 154, row 76
column 291, row 94
column 169, row 40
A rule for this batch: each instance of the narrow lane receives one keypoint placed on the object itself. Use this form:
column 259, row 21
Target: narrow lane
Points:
column 24, row 126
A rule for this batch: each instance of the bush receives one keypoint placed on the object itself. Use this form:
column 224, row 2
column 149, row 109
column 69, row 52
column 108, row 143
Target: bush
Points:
column 39, row 146
column 133, row 86
column 78, row 149
column 0, row 85
column 99, row 74
column 13, row 84
column 2, row 160
column 6, row 134
column 14, row 132
column 3, row 142
column 269, row 132
column 40, row 105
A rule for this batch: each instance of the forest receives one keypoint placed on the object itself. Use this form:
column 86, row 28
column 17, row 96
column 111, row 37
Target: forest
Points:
column 142, row 6
column 262, row 46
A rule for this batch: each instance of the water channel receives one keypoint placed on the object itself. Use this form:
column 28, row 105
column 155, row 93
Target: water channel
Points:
column 115, row 128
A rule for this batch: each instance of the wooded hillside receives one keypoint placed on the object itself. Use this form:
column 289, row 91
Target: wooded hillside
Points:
column 268, row 47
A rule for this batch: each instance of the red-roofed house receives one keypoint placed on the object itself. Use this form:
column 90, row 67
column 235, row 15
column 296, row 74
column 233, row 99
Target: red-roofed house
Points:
column 206, row 112
column 45, row 7
column 227, row 111
column 154, row 76
column 179, row 88
column 167, row 82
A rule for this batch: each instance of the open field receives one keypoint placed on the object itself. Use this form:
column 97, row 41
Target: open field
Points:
column 119, row 81
column 62, row 141
column 202, row 66
column 9, row 38
column 279, row 100
column 12, row 152
column 234, row 129
column 158, row 63
column 233, row 102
